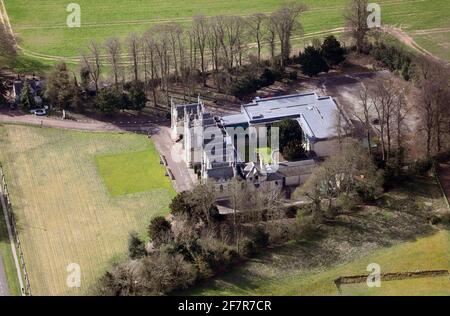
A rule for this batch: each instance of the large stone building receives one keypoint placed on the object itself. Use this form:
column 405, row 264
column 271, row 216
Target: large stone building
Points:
column 210, row 143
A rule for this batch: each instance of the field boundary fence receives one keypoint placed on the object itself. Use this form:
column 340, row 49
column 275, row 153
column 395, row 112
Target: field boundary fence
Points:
column 14, row 234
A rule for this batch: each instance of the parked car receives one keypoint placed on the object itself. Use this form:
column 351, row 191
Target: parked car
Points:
column 40, row 112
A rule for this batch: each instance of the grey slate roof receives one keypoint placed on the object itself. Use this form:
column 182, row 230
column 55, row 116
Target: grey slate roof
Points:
column 35, row 85
column 295, row 168
column 219, row 173
column 316, row 115
column 190, row 109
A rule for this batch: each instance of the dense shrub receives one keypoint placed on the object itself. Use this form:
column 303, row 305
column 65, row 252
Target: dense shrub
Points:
column 249, row 82
column 332, row 51
column 109, row 100
column 291, row 212
column 159, row 230
column 136, row 247
column 136, row 99
column 394, row 58
column 307, row 227
column 158, row 274
column 249, row 248
column 290, row 139
column 192, row 205
column 260, row 238
column 293, row 150
column 421, row 167
column 312, row 62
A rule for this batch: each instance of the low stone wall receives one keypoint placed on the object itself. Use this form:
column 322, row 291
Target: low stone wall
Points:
column 354, row 279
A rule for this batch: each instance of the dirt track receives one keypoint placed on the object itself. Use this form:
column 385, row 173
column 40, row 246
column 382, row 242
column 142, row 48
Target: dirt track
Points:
column 403, row 37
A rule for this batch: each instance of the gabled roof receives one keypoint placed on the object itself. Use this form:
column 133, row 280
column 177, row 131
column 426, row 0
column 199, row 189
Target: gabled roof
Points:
column 35, row 85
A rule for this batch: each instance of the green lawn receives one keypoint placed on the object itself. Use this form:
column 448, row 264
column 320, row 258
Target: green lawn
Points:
column 8, row 260
column 132, row 172
column 41, row 24
column 66, row 214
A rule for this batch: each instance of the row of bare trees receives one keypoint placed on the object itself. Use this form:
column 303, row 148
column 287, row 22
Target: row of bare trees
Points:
column 432, row 79
column 385, row 108
column 383, row 105
column 168, row 52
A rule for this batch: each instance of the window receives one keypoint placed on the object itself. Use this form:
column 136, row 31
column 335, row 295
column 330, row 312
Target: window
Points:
column 221, row 188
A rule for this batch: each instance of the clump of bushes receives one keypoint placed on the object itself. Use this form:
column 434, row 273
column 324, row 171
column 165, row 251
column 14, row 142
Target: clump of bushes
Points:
column 394, row 58
column 316, row 59
column 250, row 82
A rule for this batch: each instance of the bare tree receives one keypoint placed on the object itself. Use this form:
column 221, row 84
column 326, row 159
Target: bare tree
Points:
column 271, row 38
column 432, row 79
column 113, row 50
column 349, row 172
column 383, row 101
column 400, row 112
column 214, row 38
column 200, row 32
column 150, row 62
column 134, row 51
column 356, row 22
column 192, row 65
column 162, row 49
column 364, row 117
column 258, row 27
column 92, row 63
column 175, row 33
column 285, row 22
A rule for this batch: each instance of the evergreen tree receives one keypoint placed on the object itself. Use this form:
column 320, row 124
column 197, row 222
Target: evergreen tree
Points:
column 312, row 62
column 136, row 97
column 332, row 51
column 109, row 100
column 136, row 247
column 159, row 230
column 27, row 97
column 290, row 134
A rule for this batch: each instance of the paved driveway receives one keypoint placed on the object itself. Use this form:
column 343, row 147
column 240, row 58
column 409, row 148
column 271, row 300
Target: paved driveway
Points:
column 173, row 153
column 4, row 291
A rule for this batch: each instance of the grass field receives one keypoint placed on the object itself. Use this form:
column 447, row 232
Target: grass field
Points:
column 132, row 172
column 310, row 268
column 41, row 24
column 8, row 260
column 261, row 278
column 66, row 214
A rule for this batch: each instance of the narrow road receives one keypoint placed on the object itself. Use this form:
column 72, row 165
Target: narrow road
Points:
column 173, row 154
column 4, row 291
